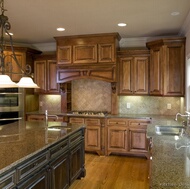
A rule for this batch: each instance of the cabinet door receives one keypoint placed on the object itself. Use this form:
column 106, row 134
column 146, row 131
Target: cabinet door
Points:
column 141, row 75
column 156, row 71
column 21, row 57
column 60, row 172
column 126, row 76
column 92, row 134
column 117, row 139
column 175, row 66
column 106, row 53
column 92, row 138
column 52, row 86
column 138, row 141
column 64, row 54
column 85, row 54
column 77, row 162
column 40, row 75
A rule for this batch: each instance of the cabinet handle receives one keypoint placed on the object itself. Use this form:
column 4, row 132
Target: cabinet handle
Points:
column 35, row 164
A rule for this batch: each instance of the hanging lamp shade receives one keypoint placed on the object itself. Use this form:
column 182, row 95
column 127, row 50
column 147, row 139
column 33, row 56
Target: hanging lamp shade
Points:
column 6, row 82
column 27, row 82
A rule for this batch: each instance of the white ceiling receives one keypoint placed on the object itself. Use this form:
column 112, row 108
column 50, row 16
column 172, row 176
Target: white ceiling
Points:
column 35, row 21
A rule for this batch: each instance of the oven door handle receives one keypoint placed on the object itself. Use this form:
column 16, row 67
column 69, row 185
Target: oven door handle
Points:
column 14, row 118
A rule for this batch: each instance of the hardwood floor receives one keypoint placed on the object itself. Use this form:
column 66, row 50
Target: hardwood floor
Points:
column 114, row 172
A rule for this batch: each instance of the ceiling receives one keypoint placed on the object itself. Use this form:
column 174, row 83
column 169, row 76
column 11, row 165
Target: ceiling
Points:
column 35, row 21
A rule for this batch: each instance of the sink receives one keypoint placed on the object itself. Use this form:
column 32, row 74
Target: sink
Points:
column 169, row 130
column 58, row 127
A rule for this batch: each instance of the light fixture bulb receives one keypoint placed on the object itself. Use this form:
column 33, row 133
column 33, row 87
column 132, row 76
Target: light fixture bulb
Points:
column 6, row 82
column 27, row 82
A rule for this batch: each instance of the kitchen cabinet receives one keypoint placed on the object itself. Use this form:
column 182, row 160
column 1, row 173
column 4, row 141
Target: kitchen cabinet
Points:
column 87, row 56
column 137, row 136
column 167, row 66
column 45, row 75
column 37, row 181
column 8, row 180
column 126, row 136
column 133, row 72
column 54, row 167
column 117, row 136
column 59, row 168
column 24, row 56
column 94, row 134
column 87, row 49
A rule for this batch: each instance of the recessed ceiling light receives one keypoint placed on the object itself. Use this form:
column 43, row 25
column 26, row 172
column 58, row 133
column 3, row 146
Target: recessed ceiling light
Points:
column 122, row 24
column 60, row 29
column 175, row 13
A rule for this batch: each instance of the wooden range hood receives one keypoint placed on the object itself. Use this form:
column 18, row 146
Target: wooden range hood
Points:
column 87, row 56
column 91, row 56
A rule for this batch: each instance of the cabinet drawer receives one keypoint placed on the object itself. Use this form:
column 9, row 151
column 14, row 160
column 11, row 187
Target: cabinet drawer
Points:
column 8, row 180
column 59, row 148
column 123, row 122
column 75, row 138
column 91, row 121
column 139, row 122
column 76, row 120
column 31, row 165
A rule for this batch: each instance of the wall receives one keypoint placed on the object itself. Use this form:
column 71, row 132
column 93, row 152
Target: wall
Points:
column 91, row 95
column 96, row 95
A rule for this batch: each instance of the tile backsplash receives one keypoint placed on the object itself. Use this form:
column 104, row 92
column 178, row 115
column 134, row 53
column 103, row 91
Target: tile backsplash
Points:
column 93, row 95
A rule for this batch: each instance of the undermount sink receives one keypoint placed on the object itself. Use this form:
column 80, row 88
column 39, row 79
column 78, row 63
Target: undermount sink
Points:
column 169, row 130
column 59, row 127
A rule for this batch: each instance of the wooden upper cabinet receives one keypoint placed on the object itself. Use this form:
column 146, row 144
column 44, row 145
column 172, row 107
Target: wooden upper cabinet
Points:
column 24, row 55
column 155, row 83
column 21, row 57
column 87, row 49
column 45, row 75
column 133, row 72
column 106, row 53
column 167, row 67
column 64, row 54
column 85, row 53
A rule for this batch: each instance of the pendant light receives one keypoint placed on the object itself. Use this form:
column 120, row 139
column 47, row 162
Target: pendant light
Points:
column 5, row 81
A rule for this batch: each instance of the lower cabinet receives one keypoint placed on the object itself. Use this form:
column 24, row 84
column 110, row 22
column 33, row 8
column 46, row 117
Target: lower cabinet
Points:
column 117, row 139
column 126, row 136
column 56, row 167
column 37, row 181
column 94, row 134
column 59, row 172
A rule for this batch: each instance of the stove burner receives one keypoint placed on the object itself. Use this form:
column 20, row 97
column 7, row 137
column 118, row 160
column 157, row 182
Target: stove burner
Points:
column 90, row 113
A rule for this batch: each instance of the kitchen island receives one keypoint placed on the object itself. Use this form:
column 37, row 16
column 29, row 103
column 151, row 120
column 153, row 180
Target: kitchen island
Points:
column 41, row 155
column 169, row 157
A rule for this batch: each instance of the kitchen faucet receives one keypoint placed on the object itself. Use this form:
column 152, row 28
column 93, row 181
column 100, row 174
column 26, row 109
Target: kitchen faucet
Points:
column 47, row 115
column 187, row 122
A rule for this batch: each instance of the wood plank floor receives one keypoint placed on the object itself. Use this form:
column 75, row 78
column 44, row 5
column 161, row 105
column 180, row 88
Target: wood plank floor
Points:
column 114, row 172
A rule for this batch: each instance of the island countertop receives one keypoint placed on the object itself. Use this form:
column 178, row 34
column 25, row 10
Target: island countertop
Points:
column 21, row 140
column 170, row 164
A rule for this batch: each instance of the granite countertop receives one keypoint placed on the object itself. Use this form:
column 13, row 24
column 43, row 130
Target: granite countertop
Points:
column 21, row 140
column 129, row 116
column 170, row 168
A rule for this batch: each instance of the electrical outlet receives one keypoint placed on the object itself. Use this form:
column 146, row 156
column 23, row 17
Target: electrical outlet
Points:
column 41, row 103
column 128, row 105
column 169, row 106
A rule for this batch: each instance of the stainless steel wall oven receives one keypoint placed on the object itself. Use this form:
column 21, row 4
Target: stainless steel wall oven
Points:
column 9, row 105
